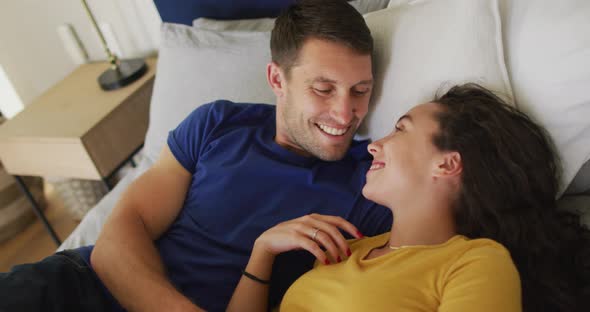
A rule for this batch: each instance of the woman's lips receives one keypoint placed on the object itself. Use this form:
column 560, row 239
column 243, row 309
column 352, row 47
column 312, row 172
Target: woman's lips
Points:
column 376, row 165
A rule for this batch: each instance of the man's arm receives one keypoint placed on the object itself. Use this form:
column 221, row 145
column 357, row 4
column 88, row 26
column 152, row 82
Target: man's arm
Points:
column 125, row 257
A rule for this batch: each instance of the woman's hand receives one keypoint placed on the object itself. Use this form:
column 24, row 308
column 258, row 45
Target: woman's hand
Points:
column 310, row 232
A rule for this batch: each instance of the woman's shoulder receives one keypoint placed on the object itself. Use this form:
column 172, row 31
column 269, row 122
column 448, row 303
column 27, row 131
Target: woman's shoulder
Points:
column 482, row 275
column 483, row 247
column 482, row 255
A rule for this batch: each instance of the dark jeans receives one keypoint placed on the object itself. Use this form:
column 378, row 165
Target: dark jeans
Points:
column 61, row 282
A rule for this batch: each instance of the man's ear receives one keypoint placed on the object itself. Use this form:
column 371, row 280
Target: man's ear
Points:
column 276, row 78
column 449, row 165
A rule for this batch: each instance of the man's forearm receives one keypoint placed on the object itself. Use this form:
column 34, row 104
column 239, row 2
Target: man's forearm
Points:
column 129, row 265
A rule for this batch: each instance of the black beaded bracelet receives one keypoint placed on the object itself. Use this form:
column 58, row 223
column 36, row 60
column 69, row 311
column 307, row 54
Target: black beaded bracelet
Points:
column 254, row 278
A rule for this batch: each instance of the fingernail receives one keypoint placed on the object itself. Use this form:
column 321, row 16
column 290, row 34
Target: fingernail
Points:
column 348, row 252
column 327, row 262
column 338, row 259
column 359, row 234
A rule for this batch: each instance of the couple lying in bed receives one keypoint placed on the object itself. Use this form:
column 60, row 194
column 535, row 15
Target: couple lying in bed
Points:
column 471, row 183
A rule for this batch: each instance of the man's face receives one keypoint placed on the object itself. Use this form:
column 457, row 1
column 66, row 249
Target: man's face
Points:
column 323, row 100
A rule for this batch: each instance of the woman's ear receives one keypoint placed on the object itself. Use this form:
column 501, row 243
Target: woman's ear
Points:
column 449, row 165
column 275, row 78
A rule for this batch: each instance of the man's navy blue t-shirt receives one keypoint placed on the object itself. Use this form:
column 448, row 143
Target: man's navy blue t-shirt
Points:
column 243, row 184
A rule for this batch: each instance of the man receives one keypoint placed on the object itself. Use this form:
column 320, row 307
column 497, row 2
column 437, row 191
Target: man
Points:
column 182, row 232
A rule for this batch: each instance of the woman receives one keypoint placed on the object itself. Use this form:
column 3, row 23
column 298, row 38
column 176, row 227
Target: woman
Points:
column 472, row 184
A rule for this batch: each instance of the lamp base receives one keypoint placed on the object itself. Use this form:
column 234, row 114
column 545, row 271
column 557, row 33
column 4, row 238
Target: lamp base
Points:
column 127, row 72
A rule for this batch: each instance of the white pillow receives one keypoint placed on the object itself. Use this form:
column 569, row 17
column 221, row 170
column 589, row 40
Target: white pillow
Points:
column 367, row 6
column 548, row 56
column 197, row 66
column 421, row 45
column 254, row 24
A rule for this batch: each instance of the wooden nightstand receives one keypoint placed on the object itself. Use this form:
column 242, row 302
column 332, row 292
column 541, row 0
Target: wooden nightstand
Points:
column 77, row 130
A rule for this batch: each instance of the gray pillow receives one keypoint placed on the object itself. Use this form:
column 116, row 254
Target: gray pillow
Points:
column 198, row 66
column 255, row 24
column 581, row 182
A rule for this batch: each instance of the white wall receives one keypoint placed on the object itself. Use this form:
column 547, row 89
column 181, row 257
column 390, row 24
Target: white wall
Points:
column 33, row 55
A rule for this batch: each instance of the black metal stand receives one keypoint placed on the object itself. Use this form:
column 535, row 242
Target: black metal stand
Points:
column 129, row 160
column 37, row 209
column 126, row 72
column 23, row 187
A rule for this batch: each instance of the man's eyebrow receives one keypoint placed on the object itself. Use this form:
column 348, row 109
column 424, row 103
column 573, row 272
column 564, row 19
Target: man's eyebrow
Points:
column 365, row 82
column 328, row 80
column 321, row 79
column 406, row 116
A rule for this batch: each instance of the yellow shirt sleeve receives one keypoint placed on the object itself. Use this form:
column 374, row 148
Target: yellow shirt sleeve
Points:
column 483, row 279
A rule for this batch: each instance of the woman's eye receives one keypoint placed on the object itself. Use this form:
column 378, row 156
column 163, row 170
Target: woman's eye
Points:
column 398, row 128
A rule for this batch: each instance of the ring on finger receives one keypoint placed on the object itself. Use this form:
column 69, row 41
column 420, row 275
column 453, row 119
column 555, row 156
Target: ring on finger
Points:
column 314, row 234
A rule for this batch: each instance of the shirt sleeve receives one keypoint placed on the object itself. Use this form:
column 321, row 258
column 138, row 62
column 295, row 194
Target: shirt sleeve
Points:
column 483, row 279
column 189, row 137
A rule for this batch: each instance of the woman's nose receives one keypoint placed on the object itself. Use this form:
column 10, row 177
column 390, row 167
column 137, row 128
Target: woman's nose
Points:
column 373, row 148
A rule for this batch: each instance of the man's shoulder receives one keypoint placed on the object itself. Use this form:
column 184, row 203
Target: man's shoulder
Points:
column 222, row 113
column 229, row 109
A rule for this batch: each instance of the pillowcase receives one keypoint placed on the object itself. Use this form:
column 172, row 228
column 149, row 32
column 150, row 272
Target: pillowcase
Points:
column 548, row 56
column 266, row 24
column 198, row 66
column 367, row 6
column 255, row 24
column 421, row 46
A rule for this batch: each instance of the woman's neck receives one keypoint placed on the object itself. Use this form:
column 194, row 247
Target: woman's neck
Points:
column 429, row 221
column 412, row 230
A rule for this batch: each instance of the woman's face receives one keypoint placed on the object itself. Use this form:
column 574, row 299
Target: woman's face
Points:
column 403, row 161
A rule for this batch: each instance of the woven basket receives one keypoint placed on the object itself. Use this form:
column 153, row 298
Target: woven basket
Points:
column 78, row 196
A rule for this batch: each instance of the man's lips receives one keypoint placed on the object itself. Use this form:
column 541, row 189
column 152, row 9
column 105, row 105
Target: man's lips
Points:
column 335, row 131
column 376, row 165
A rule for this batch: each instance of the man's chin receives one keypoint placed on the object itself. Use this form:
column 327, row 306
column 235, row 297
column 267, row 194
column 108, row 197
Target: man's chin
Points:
column 332, row 154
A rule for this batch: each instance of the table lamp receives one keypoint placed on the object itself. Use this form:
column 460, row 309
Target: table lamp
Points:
column 121, row 72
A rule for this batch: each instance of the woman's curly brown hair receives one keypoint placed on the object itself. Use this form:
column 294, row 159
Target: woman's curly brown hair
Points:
column 509, row 186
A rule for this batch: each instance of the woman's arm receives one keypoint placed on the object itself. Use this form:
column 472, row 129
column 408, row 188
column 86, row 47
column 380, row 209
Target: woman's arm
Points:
column 311, row 232
column 252, row 295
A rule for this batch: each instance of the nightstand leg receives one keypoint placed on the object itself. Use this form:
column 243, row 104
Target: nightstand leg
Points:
column 37, row 209
column 107, row 183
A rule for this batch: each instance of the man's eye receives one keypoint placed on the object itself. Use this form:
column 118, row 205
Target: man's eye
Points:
column 360, row 92
column 323, row 91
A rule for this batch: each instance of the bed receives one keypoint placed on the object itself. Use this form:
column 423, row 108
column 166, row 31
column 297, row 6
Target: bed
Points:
column 536, row 54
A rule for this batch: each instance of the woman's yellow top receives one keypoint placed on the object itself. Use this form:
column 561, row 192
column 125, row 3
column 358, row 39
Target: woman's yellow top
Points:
column 459, row 275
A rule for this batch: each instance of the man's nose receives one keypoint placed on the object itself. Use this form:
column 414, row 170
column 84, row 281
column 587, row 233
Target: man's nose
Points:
column 343, row 110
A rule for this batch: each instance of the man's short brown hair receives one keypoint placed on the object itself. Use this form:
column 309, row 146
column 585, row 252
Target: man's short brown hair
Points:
column 332, row 20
